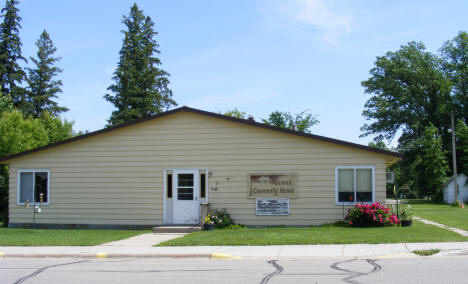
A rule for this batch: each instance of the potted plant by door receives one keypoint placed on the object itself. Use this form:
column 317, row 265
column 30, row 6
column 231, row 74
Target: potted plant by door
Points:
column 209, row 224
column 406, row 216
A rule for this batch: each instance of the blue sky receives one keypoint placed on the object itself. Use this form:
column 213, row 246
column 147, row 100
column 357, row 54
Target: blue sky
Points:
column 258, row 56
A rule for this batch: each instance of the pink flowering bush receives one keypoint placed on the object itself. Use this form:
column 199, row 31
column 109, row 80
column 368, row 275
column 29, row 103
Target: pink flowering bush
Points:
column 371, row 215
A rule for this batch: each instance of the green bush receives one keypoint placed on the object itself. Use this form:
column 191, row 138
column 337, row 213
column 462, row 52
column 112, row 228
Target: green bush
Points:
column 219, row 218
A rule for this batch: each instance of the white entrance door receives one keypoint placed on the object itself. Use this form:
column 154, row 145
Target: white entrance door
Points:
column 186, row 206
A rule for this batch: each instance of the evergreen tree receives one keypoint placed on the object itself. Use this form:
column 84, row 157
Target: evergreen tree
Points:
column 140, row 87
column 11, row 74
column 6, row 103
column 42, row 86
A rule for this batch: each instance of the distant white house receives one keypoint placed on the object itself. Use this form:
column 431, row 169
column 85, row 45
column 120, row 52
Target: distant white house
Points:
column 449, row 189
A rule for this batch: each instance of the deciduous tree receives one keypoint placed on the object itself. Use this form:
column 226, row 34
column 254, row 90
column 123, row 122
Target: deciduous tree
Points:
column 430, row 166
column 236, row 113
column 455, row 64
column 303, row 121
column 409, row 91
column 19, row 133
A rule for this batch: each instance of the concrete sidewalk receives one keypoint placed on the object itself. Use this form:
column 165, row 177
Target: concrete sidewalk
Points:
column 144, row 240
column 285, row 251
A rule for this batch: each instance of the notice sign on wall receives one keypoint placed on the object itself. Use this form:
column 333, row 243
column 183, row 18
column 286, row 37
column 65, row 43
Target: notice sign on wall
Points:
column 272, row 206
column 272, row 185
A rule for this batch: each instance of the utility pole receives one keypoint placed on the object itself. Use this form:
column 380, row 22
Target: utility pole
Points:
column 454, row 153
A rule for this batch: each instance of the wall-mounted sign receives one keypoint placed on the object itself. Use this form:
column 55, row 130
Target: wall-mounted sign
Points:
column 272, row 206
column 272, row 185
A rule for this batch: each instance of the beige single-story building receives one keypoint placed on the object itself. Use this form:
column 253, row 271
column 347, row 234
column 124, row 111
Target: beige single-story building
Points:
column 162, row 169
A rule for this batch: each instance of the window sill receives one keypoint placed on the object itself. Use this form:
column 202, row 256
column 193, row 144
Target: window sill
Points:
column 353, row 203
column 32, row 204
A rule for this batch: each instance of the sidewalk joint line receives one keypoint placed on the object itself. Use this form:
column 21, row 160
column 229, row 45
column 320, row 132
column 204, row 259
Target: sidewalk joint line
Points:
column 453, row 229
column 406, row 246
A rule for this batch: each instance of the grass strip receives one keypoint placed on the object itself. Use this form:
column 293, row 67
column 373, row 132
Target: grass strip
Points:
column 442, row 213
column 326, row 234
column 52, row 237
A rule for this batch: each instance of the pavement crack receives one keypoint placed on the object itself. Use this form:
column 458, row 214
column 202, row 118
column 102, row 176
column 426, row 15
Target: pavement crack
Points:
column 40, row 270
column 278, row 270
column 354, row 274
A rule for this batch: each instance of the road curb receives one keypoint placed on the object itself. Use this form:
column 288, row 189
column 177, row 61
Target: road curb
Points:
column 103, row 255
column 398, row 255
column 224, row 256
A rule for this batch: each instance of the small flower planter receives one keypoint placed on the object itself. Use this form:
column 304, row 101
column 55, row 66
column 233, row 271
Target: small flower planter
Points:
column 208, row 227
column 406, row 223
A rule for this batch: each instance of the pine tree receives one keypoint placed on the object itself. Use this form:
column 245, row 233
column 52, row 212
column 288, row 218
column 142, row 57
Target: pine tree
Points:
column 11, row 74
column 42, row 86
column 140, row 87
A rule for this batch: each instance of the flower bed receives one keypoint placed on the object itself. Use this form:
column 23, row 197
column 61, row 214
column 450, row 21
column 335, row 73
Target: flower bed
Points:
column 371, row 215
column 218, row 218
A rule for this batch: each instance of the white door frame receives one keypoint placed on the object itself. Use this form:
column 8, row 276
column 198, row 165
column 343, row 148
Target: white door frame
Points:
column 167, row 219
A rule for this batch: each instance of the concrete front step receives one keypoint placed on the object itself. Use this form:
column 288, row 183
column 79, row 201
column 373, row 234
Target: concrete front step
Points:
column 176, row 229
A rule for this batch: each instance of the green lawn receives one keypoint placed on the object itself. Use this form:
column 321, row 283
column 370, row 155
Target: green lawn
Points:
column 327, row 234
column 43, row 237
column 442, row 213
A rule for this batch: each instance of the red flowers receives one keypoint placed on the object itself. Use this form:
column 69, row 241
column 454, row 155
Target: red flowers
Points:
column 375, row 214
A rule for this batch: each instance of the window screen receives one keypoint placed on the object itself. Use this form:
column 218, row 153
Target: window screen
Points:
column 346, row 185
column 41, row 186
column 26, row 187
column 185, row 184
column 355, row 184
column 364, row 185
column 32, row 184
column 185, row 179
column 185, row 193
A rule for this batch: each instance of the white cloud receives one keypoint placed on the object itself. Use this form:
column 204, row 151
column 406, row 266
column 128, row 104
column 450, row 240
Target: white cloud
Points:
column 328, row 19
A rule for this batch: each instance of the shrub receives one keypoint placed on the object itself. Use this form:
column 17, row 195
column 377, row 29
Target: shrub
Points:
column 371, row 215
column 219, row 218
column 406, row 212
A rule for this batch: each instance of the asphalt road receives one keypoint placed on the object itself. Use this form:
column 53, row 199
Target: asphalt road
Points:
column 403, row 270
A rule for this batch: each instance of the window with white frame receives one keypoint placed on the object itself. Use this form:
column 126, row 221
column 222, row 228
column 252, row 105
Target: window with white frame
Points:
column 354, row 184
column 33, row 183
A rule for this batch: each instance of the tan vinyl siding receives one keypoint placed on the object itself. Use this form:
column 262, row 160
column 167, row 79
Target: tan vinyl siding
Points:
column 117, row 177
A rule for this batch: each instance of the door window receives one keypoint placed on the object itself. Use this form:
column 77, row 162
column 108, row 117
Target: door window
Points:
column 185, row 186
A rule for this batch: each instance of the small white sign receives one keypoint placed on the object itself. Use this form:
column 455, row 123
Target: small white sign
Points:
column 272, row 206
